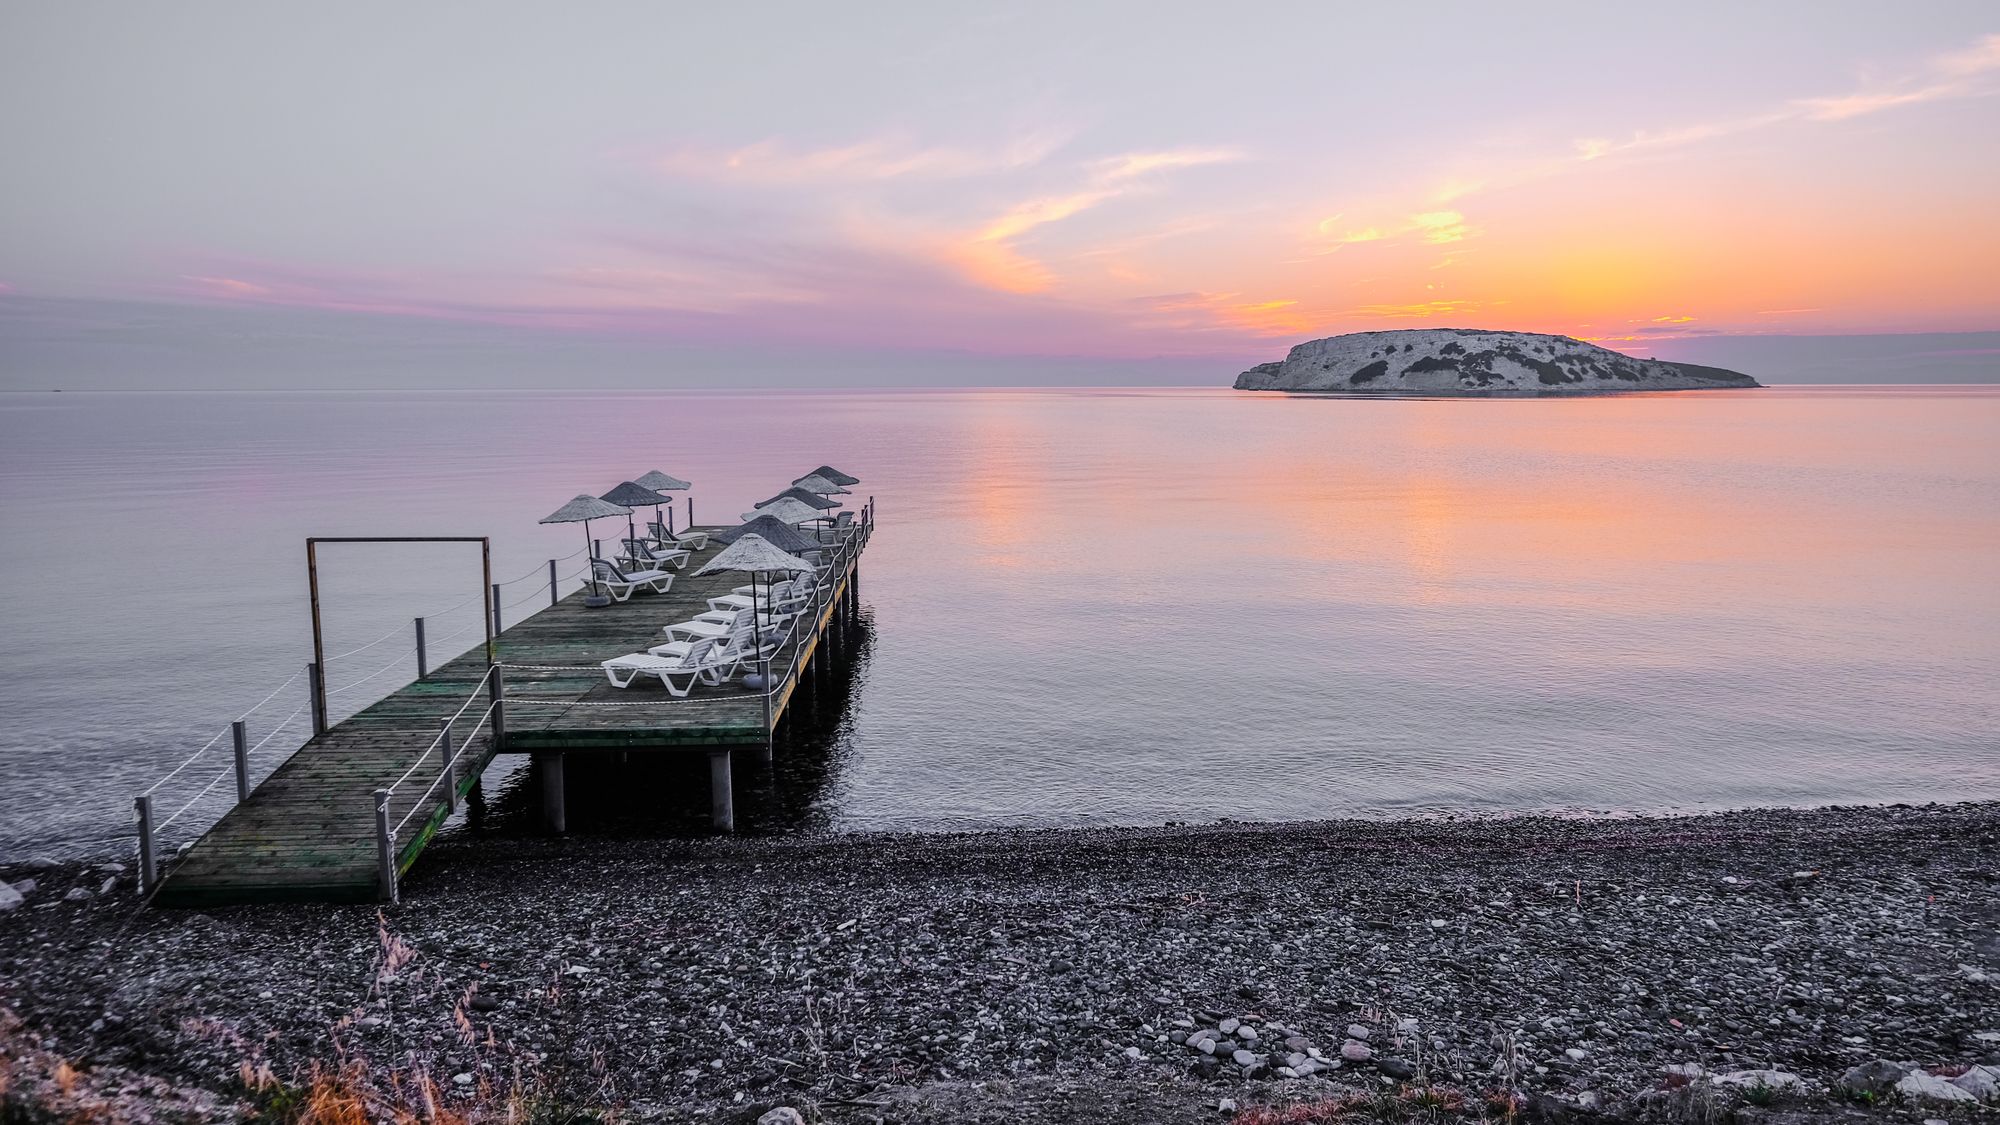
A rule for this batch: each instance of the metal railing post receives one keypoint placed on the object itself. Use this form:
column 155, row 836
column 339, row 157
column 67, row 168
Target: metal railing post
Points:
column 496, row 609
column 423, row 658
column 385, row 849
column 318, row 690
column 553, row 598
column 241, row 736
column 450, row 767
column 498, row 688
column 149, row 871
column 764, row 663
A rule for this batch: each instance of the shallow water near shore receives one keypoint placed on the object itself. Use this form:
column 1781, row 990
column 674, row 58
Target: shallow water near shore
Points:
column 1083, row 607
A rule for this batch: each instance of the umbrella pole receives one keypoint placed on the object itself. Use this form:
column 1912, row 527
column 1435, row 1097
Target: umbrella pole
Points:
column 594, row 592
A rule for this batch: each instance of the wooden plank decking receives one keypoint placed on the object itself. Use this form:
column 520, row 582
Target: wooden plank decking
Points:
column 308, row 831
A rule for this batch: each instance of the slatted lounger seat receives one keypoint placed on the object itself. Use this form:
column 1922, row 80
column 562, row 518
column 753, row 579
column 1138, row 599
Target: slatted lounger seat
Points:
column 644, row 555
column 692, row 541
column 622, row 584
column 699, row 629
column 677, row 669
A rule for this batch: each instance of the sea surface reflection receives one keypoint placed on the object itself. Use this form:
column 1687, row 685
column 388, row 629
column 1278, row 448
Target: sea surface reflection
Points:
column 1083, row 607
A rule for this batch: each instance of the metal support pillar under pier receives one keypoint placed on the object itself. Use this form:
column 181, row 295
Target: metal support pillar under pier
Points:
column 721, row 802
column 554, row 814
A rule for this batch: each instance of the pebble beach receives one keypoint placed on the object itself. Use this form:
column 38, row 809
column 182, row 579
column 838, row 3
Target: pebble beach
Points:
column 1748, row 964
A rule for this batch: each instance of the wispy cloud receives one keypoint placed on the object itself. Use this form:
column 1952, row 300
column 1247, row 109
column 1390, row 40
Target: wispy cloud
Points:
column 990, row 255
column 877, row 158
column 1958, row 74
column 1433, row 227
column 1417, row 310
column 1229, row 312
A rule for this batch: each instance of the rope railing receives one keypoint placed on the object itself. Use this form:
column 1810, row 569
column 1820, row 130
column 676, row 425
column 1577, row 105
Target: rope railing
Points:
column 448, row 768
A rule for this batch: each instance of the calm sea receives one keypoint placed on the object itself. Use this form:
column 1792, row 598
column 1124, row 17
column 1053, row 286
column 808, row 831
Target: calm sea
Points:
column 1082, row 607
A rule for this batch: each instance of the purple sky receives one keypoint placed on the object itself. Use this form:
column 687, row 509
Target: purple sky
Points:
column 1111, row 184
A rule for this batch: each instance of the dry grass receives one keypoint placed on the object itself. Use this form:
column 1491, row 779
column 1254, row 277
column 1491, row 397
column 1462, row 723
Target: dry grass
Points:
column 507, row 1087
column 1414, row 1104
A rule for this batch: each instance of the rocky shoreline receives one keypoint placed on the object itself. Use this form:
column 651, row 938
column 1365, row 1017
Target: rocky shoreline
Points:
column 1775, row 964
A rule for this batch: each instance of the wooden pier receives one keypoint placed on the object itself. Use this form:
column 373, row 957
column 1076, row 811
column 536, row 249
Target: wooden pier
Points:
column 312, row 830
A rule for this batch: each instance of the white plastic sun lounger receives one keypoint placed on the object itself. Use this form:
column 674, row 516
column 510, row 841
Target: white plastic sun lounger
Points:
column 699, row 660
column 692, row 541
column 621, row 584
column 699, row 629
column 640, row 553
column 749, row 597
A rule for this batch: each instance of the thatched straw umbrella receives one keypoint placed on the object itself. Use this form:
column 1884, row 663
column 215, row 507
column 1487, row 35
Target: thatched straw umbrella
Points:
column 834, row 475
column 774, row 531
column 662, row 482
column 823, row 503
column 819, row 485
column 582, row 510
column 786, row 510
column 632, row 494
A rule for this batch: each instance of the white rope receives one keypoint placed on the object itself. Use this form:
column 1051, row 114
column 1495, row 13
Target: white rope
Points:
column 439, row 737
column 282, row 724
column 190, row 760
column 366, row 647
column 274, row 693
column 357, row 683
column 513, row 702
column 450, row 765
column 231, row 768
column 525, row 599
column 226, row 771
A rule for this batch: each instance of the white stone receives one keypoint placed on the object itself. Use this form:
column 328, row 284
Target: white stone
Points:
column 1359, row 1032
column 1353, row 1051
column 462, row 1079
column 1769, row 1079
column 1923, row 1085
column 10, row 898
column 1229, row 1026
column 1982, row 1082
column 1576, row 1054
column 783, row 1115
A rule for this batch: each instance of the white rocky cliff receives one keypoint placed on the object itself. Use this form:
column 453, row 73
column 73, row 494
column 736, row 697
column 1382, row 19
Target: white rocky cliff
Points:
column 1471, row 361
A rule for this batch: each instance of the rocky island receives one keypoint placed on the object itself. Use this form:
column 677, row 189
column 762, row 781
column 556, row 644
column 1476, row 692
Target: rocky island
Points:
column 1472, row 361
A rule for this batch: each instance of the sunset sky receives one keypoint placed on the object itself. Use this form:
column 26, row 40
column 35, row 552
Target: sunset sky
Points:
column 1022, row 180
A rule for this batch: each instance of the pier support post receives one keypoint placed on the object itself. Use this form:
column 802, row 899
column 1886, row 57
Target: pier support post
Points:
column 423, row 658
column 721, row 801
column 240, row 735
column 318, row 690
column 149, row 871
column 554, row 816
column 448, row 768
column 385, row 850
column 553, row 596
